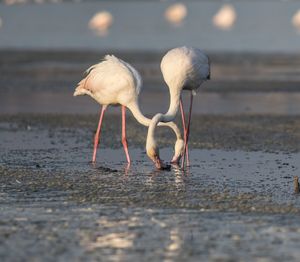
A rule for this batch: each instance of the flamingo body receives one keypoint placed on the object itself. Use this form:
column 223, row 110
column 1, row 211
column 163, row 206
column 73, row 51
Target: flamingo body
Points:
column 185, row 68
column 111, row 82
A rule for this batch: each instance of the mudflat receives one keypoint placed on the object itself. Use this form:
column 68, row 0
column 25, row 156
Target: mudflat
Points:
column 234, row 202
column 235, row 198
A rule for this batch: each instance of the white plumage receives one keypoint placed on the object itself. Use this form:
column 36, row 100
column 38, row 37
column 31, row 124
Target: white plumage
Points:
column 110, row 82
column 115, row 82
column 183, row 68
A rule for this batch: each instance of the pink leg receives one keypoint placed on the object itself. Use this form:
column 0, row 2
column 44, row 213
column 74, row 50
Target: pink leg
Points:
column 184, row 131
column 97, row 135
column 188, row 129
column 124, row 140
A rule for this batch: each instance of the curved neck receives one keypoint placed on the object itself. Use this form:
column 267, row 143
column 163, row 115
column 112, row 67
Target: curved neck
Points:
column 175, row 94
column 138, row 115
column 135, row 110
column 151, row 142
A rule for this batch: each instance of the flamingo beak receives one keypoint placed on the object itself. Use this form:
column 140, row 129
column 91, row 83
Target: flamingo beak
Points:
column 175, row 160
column 159, row 164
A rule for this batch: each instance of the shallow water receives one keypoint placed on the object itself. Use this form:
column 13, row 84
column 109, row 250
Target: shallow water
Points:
column 122, row 234
column 44, row 82
column 263, row 176
column 147, row 29
column 55, row 205
column 280, row 103
column 54, row 145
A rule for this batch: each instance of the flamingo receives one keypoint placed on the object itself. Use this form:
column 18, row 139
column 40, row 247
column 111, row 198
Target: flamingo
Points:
column 225, row 18
column 183, row 68
column 115, row 82
column 176, row 13
column 101, row 22
column 296, row 21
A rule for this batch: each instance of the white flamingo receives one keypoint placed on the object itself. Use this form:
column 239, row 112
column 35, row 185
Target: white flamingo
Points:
column 101, row 22
column 183, row 68
column 113, row 82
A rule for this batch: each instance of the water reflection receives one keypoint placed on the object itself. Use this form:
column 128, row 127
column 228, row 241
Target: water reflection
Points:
column 111, row 240
column 121, row 232
column 175, row 242
column 179, row 172
column 127, row 169
column 225, row 18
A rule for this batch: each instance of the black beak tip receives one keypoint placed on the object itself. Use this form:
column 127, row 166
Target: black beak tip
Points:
column 166, row 167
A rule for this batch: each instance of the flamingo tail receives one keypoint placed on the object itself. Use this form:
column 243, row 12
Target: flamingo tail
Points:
column 80, row 89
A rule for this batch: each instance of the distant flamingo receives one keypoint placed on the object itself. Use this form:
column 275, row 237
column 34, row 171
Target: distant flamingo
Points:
column 225, row 18
column 101, row 22
column 176, row 13
column 113, row 82
column 183, row 68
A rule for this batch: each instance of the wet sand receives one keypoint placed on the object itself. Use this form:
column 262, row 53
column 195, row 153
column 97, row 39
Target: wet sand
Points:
column 235, row 201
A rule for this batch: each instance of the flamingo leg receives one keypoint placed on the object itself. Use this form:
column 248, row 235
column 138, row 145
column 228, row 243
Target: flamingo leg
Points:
column 184, row 131
column 124, row 140
column 188, row 128
column 97, row 135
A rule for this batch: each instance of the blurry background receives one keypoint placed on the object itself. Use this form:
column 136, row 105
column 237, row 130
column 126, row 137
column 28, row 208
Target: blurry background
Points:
column 254, row 47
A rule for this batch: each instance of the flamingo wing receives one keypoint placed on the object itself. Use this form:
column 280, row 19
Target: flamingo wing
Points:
column 111, row 81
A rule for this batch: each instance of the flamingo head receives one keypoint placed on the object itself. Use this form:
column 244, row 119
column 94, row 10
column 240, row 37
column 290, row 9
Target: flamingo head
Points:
column 153, row 153
column 179, row 147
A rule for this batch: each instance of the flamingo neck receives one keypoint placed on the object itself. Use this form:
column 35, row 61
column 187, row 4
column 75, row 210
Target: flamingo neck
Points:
column 174, row 105
column 167, row 118
column 138, row 115
column 151, row 142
